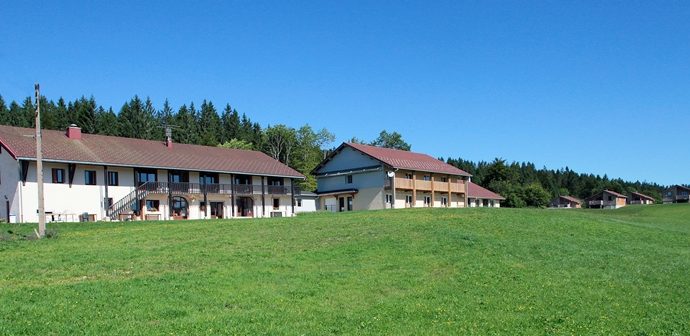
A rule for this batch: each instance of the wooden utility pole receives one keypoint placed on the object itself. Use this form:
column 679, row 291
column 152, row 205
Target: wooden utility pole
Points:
column 39, row 166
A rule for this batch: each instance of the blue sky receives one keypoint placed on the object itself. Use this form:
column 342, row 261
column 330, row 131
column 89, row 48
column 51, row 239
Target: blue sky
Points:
column 601, row 87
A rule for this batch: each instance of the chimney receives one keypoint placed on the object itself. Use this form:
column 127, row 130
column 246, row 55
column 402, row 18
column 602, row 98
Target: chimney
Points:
column 74, row 132
column 168, row 137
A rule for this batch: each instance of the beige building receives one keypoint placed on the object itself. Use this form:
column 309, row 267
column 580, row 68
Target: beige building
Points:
column 363, row 177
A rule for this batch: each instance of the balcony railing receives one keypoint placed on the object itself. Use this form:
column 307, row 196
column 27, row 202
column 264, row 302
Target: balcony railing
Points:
column 602, row 203
column 214, row 188
column 422, row 185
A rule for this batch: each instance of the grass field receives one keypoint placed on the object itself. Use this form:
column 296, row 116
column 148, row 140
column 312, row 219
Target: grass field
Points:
column 418, row 271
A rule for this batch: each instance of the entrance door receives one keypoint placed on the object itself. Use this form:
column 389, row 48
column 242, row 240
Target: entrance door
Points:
column 349, row 204
column 180, row 208
column 244, row 206
column 341, row 204
column 216, row 209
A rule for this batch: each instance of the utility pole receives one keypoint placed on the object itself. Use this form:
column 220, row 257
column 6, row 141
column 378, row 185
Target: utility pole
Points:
column 39, row 166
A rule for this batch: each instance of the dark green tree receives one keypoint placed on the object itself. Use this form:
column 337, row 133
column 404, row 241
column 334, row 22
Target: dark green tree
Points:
column 391, row 140
column 209, row 125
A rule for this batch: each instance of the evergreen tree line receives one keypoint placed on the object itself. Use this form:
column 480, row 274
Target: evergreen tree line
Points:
column 138, row 118
column 522, row 184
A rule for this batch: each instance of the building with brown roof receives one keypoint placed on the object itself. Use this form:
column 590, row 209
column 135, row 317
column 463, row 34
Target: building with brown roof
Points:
column 568, row 202
column 99, row 177
column 481, row 197
column 363, row 177
column 676, row 194
column 640, row 198
column 607, row 199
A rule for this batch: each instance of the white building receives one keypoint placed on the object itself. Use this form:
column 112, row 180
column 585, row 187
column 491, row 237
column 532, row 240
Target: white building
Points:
column 306, row 202
column 100, row 177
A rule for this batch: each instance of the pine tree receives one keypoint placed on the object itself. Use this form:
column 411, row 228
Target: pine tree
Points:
column 136, row 119
column 86, row 114
column 230, row 122
column 4, row 112
column 209, row 125
column 186, row 130
column 106, row 122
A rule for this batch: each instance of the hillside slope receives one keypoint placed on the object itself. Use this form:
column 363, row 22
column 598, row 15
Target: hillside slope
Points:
column 431, row 271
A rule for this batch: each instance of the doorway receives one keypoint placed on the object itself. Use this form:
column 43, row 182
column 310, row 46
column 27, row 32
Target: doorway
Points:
column 180, row 208
column 217, row 209
column 341, row 204
column 245, row 206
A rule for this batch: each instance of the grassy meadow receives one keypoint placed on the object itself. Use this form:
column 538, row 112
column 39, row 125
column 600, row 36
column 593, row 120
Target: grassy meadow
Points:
column 415, row 271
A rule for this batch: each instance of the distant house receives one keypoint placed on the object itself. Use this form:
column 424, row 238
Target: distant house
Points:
column 639, row 198
column 482, row 197
column 607, row 199
column 566, row 202
column 676, row 194
column 363, row 177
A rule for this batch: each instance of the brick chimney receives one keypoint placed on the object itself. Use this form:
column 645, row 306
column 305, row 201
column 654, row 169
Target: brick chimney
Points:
column 74, row 132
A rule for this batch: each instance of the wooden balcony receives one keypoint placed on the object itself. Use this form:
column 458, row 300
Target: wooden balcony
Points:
column 421, row 185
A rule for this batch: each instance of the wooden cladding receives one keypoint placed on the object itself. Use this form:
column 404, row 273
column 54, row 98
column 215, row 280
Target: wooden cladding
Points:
column 456, row 186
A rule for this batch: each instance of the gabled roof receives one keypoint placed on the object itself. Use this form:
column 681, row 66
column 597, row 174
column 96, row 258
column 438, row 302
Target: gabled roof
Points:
column 400, row 159
column 615, row 194
column 640, row 195
column 571, row 199
column 477, row 191
column 128, row 152
column 680, row 187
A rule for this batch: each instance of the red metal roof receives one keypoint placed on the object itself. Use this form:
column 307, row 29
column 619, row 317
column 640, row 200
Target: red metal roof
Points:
column 118, row 151
column 615, row 193
column 477, row 191
column 407, row 160
column 640, row 195
column 571, row 199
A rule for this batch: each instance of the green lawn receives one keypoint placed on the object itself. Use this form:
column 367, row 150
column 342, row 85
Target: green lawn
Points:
column 418, row 271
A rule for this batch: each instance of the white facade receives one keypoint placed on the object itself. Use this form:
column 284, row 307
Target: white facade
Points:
column 65, row 202
column 484, row 203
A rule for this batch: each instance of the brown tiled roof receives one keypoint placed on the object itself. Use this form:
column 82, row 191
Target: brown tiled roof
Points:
column 571, row 199
column 407, row 160
column 680, row 187
column 615, row 194
column 118, row 151
column 640, row 195
column 477, row 191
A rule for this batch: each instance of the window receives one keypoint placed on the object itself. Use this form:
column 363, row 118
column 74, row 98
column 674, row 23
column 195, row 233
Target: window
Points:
column 109, row 202
column 349, row 204
column 389, row 198
column 152, row 205
column 427, row 178
column 179, row 176
column 145, row 175
column 444, row 179
column 208, row 178
column 58, row 175
column 276, row 203
column 113, row 178
column 243, row 179
column 408, row 199
column 408, row 176
column 427, row 200
column 444, row 201
column 299, row 202
column 349, row 178
column 90, row 177
column 275, row 181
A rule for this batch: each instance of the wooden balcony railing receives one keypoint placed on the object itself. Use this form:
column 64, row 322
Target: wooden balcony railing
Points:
column 403, row 183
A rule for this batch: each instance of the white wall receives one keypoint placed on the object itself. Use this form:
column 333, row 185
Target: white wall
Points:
column 9, row 186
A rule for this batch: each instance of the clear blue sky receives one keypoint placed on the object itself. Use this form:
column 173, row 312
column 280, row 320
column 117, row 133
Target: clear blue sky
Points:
column 601, row 87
